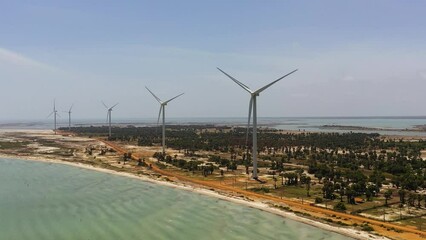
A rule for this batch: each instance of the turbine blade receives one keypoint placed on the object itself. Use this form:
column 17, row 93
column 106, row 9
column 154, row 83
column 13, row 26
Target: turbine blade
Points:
column 265, row 87
column 104, row 105
column 237, row 82
column 50, row 114
column 71, row 107
column 114, row 106
column 249, row 118
column 107, row 117
column 158, row 99
column 173, row 98
column 58, row 114
column 159, row 114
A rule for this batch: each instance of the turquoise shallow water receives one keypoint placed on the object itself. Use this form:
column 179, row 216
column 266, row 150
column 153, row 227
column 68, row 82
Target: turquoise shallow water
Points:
column 53, row 201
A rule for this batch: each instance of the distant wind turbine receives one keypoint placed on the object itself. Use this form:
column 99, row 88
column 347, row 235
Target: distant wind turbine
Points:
column 162, row 109
column 69, row 117
column 252, row 106
column 55, row 114
column 109, row 115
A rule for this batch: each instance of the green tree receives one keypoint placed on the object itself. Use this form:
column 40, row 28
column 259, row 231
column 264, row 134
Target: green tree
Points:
column 402, row 193
column 340, row 206
column 411, row 199
column 419, row 199
column 388, row 196
column 308, row 186
column 350, row 195
column 328, row 190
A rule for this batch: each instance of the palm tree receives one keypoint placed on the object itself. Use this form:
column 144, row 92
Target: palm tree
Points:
column 308, row 186
column 402, row 194
column 388, row 195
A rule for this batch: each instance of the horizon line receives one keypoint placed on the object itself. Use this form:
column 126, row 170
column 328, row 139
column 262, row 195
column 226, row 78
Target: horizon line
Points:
column 238, row 117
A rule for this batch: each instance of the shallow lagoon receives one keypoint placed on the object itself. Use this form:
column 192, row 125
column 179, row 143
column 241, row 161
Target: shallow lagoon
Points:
column 54, row 201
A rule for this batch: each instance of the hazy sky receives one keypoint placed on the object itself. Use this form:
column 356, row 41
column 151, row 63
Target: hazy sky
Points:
column 354, row 57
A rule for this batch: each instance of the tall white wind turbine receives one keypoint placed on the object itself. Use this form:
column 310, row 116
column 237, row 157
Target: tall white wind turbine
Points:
column 109, row 115
column 55, row 114
column 162, row 109
column 252, row 106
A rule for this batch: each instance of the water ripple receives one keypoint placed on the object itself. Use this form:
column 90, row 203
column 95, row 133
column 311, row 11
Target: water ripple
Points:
column 49, row 201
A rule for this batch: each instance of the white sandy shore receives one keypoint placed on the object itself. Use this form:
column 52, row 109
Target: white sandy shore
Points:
column 258, row 205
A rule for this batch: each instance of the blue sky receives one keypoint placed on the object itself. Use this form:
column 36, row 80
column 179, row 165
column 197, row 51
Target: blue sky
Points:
column 354, row 57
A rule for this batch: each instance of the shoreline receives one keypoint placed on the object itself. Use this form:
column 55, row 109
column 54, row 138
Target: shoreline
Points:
column 349, row 232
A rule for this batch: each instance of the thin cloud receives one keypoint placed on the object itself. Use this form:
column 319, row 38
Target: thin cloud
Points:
column 10, row 57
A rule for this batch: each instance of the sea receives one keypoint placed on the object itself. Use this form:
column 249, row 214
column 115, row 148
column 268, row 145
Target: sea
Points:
column 54, row 201
column 399, row 126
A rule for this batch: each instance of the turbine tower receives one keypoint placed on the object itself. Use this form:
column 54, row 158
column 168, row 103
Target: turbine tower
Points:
column 109, row 115
column 69, row 117
column 162, row 109
column 253, row 107
column 55, row 114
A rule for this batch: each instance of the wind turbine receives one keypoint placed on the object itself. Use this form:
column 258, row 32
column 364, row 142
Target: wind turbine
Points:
column 69, row 117
column 109, row 115
column 55, row 114
column 252, row 106
column 162, row 109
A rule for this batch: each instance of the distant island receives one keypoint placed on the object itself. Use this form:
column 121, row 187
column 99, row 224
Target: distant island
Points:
column 417, row 128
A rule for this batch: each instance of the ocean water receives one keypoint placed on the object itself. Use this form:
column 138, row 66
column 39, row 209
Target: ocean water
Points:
column 387, row 125
column 53, row 201
column 392, row 125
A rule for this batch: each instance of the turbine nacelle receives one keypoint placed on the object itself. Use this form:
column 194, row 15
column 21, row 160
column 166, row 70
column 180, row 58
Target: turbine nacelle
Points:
column 69, row 111
column 54, row 111
column 162, row 104
column 108, row 108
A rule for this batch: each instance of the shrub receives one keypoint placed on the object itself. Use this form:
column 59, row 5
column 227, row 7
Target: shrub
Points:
column 342, row 223
column 340, row 206
column 318, row 200
column 367, row 228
